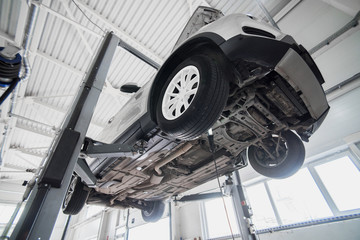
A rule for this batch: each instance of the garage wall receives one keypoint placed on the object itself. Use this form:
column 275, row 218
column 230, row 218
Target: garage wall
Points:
column 187, row 221
column 348, row 229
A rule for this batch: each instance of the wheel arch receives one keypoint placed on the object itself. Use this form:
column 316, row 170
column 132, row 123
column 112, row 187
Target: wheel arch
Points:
column 205, row 41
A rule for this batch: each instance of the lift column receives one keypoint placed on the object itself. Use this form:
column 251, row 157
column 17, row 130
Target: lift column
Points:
column 242, row 210
column 45, row 201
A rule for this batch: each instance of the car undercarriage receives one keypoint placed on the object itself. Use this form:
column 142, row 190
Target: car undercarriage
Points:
column 257, row 111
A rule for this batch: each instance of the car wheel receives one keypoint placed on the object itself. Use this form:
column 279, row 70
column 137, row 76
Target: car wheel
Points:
column 192, row 98
column 279, row 156
column 154, row 212
column 75, row 197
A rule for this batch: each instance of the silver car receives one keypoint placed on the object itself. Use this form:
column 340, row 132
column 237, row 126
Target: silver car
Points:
column 234, row 90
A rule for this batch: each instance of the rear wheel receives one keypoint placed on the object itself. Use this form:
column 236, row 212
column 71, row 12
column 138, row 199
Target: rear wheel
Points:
column 154, row 211
column 192, row 98
column 75, row 197
column 279, row 156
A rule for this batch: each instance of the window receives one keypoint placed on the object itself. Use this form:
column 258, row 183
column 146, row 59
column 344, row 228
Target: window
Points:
column 89, row 230
column 340, row 177
column 159, row 230
column 263, row 214
column 216, row 220
column 298, row 198
column 120, row 233
column 6, row 212
column 93, row 210
column 325, row 189
column 358, row 145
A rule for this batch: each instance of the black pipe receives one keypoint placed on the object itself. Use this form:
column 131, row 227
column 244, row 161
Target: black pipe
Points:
column 9, row 90
column 66, row 227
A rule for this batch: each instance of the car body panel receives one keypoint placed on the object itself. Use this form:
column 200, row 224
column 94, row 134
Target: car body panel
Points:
column 232, row 25
column 135, row 108
column 296, row 71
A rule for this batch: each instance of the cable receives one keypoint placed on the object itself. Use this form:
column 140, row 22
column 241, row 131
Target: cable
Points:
column 87, row 16
column 212, row 149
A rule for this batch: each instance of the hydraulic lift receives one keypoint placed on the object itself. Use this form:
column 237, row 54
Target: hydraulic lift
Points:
column 233, row 188
column 71, row 146
column 47, row 193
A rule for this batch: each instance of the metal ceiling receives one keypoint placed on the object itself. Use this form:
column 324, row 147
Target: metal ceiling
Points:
column 63, row 44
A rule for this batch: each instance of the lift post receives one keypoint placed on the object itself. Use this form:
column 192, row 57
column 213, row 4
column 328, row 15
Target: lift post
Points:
column 242, row 210
column 45, row 201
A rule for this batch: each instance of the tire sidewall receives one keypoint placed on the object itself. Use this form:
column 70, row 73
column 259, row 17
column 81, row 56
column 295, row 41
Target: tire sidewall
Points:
column 206, row 86
column 293, row 162
column 77, row 199
column 156, row 212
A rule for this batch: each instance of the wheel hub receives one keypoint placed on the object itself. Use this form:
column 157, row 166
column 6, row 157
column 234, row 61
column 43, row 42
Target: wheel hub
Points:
column 70, row 191
column 272, row 152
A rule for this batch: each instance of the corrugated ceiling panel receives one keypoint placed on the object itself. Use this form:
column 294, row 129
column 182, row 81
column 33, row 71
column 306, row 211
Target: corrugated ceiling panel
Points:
column 154, row 25
column 23, row 160
column 27, row 139
column 9, row 14
column 50, row 79
column 127, row 68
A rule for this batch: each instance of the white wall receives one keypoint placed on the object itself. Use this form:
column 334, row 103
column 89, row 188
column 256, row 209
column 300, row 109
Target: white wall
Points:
column 59, row 226
column 187, row 221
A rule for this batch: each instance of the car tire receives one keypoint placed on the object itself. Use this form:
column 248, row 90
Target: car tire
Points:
column 75, row 197
column 192, row 98
column 155, row 211
column 287, row 164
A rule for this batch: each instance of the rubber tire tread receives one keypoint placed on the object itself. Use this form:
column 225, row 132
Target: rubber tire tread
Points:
column 156, row 213
column 292, row 163
column 78, row 199
column 213, row 93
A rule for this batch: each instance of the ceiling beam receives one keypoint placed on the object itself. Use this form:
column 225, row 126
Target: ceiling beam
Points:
column 21, row 169
column 21, row 24
column 62, row 17
column 39, row 131
column 7, row 37
column 126, row 37
column 60, row 63
column 77, row 28
column 53, row 128
column 64, row 111
column 108, row 88
column 33, row 35
column 122, row 34
column 9, row 191
column 27, row 151
column 349, row 7
column 34, row 100
column 36, row 165
column 285, row 10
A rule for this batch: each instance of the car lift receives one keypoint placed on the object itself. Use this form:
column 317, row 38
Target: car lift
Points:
column 46, row 197
column 242, row 209
column 71, row 146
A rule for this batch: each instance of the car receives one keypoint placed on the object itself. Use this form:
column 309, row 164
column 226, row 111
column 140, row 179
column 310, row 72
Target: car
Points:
column 234, row 90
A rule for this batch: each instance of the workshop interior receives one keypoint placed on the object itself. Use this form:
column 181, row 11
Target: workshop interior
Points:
column 179, row 119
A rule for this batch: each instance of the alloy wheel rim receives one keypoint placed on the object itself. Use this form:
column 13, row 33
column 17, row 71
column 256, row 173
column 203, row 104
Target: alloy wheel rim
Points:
column 70, row 191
